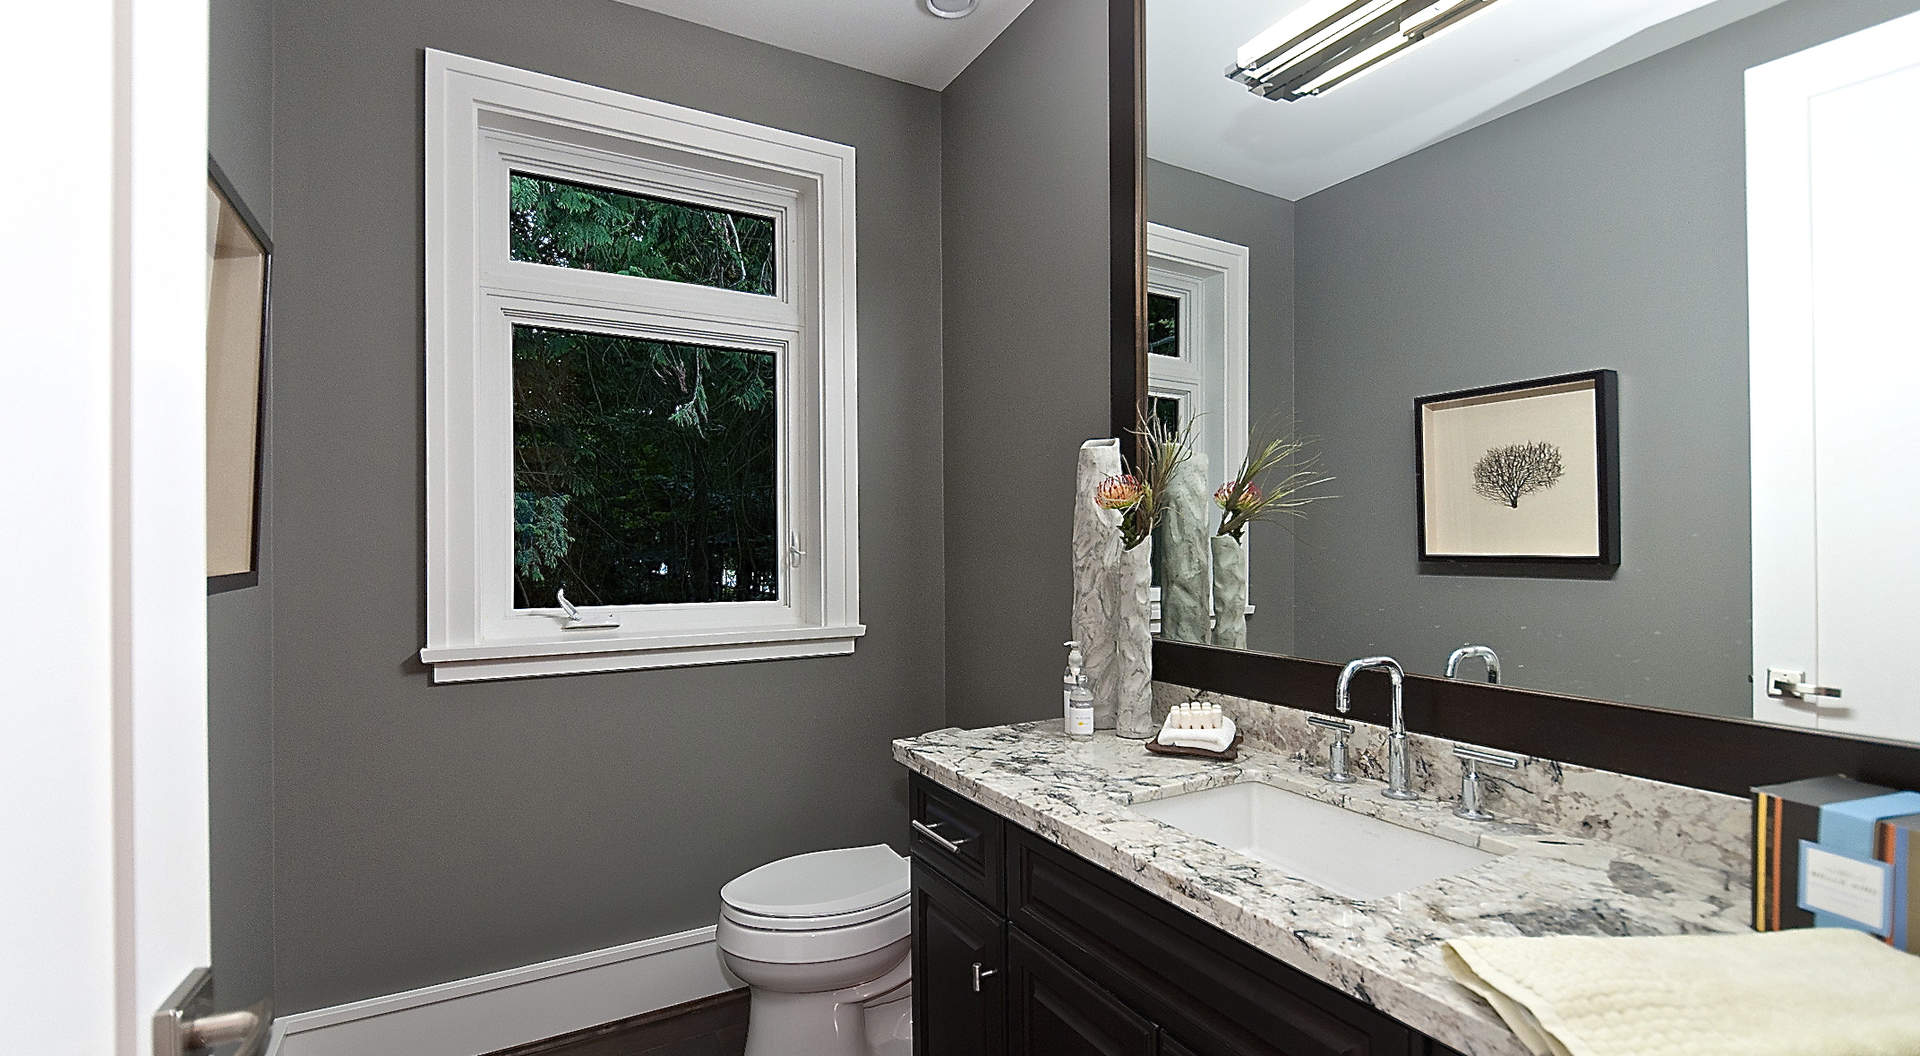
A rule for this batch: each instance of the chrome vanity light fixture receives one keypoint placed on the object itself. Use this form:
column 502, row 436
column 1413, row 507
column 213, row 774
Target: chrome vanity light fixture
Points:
column 951, row 8
column 1325, row 43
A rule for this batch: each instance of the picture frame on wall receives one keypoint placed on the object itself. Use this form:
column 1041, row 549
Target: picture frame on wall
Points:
column 1527, row 471
column 239, row 267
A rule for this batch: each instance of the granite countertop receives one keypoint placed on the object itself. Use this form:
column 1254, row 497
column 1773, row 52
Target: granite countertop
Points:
column 1385, row 951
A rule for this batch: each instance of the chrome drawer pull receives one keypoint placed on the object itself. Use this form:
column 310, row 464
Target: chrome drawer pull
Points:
column 980, row 973
column 927, row 831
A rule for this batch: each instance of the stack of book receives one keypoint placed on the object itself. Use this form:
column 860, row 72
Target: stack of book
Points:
column 1834, row 852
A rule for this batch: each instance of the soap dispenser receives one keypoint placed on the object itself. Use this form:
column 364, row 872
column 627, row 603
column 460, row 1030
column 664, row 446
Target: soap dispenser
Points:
column 1077, row 695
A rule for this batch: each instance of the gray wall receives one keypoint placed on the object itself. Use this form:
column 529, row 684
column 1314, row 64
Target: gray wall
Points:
column 428, row 833
column 1604, row 227
column 240, row 622
column 1027, row 349
column 1263, row 223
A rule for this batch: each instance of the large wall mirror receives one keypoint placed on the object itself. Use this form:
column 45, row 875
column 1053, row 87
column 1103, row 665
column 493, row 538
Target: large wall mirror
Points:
column 1499, row 263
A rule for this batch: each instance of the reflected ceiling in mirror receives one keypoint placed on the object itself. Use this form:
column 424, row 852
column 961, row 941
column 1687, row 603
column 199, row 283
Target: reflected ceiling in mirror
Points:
column 1550, row 189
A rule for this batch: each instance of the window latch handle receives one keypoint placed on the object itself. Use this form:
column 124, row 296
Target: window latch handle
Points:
column 794, row 552
column 572, row 619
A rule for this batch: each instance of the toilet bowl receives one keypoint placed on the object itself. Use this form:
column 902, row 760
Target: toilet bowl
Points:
column 821, row 939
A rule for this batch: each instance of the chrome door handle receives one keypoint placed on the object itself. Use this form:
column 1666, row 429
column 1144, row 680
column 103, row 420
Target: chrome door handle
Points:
column 1793, row 686
column 187, row 1024
column 980, row 973
column 927, row 831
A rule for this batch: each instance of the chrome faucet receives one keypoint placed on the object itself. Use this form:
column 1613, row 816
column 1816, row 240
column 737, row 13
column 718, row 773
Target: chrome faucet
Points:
column 1468, row 652
column 1397, row 738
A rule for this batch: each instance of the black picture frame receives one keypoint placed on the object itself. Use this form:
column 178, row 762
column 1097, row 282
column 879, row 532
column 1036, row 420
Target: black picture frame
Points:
column 220, row 584
column 1606, row 399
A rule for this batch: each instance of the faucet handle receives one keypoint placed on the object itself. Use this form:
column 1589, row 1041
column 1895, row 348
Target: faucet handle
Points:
column 1477, row 757
column 1337, row 751
column 1471, row 804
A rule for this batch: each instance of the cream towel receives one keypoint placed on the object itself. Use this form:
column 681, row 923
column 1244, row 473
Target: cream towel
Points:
column 1808, row 992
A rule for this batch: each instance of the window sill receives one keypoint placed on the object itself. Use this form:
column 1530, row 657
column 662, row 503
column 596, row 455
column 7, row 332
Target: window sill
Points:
column 531, row 659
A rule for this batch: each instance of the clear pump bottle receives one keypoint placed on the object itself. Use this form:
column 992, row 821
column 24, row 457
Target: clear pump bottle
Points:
column 1076, row 695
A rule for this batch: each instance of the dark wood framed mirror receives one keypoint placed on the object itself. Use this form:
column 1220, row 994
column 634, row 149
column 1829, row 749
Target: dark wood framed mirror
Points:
column 1728, row 755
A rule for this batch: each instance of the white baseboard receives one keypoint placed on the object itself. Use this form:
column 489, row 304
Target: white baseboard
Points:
column 469, row 1017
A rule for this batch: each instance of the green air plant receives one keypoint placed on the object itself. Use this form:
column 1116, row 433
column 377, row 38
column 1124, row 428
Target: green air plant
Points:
column 1276, row 478
column 1140, row 496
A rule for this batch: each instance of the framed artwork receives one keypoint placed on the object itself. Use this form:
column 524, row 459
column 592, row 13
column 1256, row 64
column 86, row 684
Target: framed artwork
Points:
column 238, row 265
column 1528, row 471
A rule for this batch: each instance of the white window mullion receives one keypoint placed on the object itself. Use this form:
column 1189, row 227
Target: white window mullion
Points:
column 487, row 121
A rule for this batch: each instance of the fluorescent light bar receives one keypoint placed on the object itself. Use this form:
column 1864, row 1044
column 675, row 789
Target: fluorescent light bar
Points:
column 1296, row 57
column 1306, row 30
column 1354, row 65
column 1438, row 16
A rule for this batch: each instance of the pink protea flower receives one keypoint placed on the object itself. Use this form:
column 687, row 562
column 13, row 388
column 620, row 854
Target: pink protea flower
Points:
column 1248, row 498
column 1119, row 492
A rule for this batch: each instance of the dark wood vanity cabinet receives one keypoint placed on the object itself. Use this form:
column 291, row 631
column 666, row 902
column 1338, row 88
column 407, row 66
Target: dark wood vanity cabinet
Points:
column 1041, row 953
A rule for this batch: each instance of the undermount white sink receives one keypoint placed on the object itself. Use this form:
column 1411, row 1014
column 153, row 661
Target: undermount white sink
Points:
column 1346, row 853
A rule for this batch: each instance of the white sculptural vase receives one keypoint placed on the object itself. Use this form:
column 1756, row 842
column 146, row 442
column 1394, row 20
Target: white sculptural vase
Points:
column 1229, row 592
column 1133, row 641
column 1096, row 555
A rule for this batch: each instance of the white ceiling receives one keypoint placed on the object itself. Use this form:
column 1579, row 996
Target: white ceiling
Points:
column 1492, row 63
column 893, row 38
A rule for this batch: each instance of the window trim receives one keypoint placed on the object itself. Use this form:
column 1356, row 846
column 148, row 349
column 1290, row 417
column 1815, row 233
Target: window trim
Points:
column 1212, row 279
column 484, row 120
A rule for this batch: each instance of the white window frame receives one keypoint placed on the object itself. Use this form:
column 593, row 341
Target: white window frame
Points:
column 1211, row 279
column 484, row 120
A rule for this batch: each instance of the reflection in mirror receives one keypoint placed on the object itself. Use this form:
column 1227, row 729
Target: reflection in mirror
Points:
column 1706, row 202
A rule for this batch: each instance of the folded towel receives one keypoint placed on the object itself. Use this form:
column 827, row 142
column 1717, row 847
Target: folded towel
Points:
column 1808, row 992
column 1212, row 740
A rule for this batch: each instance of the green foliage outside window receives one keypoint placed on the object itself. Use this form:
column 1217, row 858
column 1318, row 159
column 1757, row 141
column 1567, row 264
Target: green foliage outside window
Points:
column 645, row 471
column 1163, row 324
column 573, row 225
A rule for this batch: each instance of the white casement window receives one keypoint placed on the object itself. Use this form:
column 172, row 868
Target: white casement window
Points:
column 1197, row 290
column 641, row 394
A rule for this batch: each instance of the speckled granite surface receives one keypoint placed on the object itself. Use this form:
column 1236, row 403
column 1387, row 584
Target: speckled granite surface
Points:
column 1384, row 951
column 1673, row 821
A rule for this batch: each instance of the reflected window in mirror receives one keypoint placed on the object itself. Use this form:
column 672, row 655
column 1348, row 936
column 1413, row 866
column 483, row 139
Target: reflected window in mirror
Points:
column 1197, row 307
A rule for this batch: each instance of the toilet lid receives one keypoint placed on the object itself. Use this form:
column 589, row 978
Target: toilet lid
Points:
column 820, row 884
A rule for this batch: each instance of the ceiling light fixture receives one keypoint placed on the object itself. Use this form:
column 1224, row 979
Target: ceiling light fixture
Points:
column 952, row 8
column 1325, row 43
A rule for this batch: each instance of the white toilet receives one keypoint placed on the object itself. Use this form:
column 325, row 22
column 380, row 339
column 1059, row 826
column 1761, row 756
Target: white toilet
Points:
column 822, row 941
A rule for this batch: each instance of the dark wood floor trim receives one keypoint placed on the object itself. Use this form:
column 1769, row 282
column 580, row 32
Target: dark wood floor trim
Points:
column 722, row 1019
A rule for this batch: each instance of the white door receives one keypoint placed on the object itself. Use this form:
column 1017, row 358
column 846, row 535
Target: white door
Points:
column 1833, row 170
column 103, row 778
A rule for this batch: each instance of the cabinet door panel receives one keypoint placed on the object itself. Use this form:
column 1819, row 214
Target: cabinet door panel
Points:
column 952, row 934
column 1220, row 996
column 1053, row 1010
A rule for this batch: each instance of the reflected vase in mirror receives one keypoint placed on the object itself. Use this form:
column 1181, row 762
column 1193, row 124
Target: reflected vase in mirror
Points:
column 1182, row 540
column 1229, row 592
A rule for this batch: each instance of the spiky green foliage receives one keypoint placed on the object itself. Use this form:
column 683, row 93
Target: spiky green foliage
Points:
column 1275, row 479
column 1163, row 447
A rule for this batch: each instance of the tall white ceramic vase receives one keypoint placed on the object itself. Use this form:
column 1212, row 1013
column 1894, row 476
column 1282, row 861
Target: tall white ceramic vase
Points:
column 1096, row 555
column 1133, row 642
column 1182, row 546
column 1229, row 592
